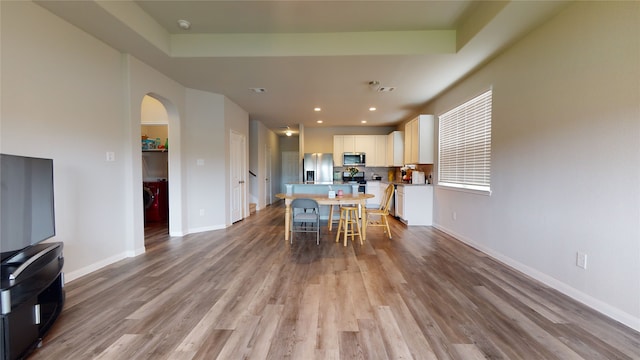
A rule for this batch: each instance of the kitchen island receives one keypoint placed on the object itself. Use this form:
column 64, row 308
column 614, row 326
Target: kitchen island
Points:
column 321, row 187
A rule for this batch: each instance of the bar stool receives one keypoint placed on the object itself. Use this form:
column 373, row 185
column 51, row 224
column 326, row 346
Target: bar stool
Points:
column 349, row 222
column 331, row 219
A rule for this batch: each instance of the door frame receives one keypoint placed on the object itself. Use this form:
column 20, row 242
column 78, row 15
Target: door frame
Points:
column 237, row 176
column 268, row 185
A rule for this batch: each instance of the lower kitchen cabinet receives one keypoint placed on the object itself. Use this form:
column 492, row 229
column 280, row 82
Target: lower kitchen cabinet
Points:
column 374, row 188
column 414, row 204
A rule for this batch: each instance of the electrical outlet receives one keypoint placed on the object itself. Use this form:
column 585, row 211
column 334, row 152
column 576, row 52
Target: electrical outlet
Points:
column 454, row 216
column 201, row 212
column 581, row 260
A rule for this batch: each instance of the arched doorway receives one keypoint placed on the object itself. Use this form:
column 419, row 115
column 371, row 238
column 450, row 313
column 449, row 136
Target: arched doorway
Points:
column 154, row 130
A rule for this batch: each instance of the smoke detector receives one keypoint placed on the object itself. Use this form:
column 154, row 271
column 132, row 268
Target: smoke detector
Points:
column 184, row 24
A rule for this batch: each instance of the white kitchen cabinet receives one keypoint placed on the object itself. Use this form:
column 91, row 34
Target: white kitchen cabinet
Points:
column 349, row 143
column 400, row 202
column 380, row 158
column 338, row 149
column 419, row 140
column 366, row 144
column 374, row 146
column 343, row 144
column 395, row 149
column 374, row 188
column 414, row 204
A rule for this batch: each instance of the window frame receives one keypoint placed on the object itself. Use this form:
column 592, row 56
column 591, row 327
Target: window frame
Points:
column 467, row 145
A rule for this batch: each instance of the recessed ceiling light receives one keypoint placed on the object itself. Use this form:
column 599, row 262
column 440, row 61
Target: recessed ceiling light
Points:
column 364, row 121
column 258, row 90
column 319, row 121
column 316, row 109
column 184, row 24
column 372, row 109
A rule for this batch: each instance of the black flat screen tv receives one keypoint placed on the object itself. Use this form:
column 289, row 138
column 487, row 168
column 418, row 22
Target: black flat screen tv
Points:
column 27, row 214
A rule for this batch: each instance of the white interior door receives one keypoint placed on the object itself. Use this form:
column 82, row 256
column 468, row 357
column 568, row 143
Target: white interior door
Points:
column 238, row 176
column 267, row 174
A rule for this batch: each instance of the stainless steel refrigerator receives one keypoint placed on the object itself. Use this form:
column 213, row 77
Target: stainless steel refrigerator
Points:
column 318, row 168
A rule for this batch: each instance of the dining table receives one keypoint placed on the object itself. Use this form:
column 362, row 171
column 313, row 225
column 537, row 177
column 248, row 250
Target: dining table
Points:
column 324, row 199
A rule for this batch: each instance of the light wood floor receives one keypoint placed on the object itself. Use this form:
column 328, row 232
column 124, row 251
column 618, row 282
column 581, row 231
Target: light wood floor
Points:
column 244, row 292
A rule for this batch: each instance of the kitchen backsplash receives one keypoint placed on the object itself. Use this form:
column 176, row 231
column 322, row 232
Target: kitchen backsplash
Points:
column 385, row 172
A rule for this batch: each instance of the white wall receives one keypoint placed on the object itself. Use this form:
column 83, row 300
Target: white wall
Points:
column 204, row 127
column 565, row 157
column 235, row 119
column 51, row 107
column 141, row 81
column 261, row 138
column 65, row 95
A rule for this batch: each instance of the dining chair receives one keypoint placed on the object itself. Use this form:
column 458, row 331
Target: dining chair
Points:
column 378, row 217
column 305, row 217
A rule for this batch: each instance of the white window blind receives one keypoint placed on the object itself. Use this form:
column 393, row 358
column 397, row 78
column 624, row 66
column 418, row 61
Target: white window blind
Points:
column 465, row 145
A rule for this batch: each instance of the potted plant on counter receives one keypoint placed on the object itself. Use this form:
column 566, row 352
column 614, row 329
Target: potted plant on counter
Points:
column 353, row 171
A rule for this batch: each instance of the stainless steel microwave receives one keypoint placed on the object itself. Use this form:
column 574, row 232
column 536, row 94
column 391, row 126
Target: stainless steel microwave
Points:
column 354, row 159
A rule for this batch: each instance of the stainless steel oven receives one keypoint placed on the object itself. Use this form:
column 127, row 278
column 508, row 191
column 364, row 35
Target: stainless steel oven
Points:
column 359, row 178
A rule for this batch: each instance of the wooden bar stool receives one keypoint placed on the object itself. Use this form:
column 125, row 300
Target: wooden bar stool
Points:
column 349, row 223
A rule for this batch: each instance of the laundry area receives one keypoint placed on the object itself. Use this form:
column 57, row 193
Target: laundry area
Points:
column 155, row 172
column 155, row 162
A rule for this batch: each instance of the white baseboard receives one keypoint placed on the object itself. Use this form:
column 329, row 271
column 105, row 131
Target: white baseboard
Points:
column 206, row 228
column 73, row 275
column 596, row 304
column 70, row 276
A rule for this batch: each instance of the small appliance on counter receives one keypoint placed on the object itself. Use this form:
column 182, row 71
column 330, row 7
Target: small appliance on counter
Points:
column 417, row 177
column 407, row 172
column 376, row 177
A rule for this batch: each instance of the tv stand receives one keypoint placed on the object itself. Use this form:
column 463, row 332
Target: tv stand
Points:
column 31, row 298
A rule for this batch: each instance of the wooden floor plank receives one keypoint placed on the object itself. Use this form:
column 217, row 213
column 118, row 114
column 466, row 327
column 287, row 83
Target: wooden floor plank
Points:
column 245, row 293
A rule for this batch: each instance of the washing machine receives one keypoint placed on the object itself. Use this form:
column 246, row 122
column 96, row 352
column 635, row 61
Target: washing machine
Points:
column 156, row 201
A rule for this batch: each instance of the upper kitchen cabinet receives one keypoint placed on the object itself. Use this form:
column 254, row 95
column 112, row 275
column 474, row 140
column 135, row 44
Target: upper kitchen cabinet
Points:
column 343, row 144
column 349, row 143
column 395, row 148
column 374, row 146
column 366, row 144
column 338, row 149
column 380, row 158
column 419, row 140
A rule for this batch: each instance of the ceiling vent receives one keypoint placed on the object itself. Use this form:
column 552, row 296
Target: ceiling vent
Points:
column 386, row 89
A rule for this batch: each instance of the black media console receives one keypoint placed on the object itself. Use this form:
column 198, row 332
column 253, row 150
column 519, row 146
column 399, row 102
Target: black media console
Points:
column 31, row 298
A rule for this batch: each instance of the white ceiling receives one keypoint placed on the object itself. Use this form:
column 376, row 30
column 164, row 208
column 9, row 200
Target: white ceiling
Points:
column 312, row 53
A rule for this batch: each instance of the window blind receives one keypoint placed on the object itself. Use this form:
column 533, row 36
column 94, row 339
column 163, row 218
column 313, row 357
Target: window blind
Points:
column 465, row 144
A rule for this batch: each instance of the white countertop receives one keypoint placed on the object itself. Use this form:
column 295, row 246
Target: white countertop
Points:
column 402, row 183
